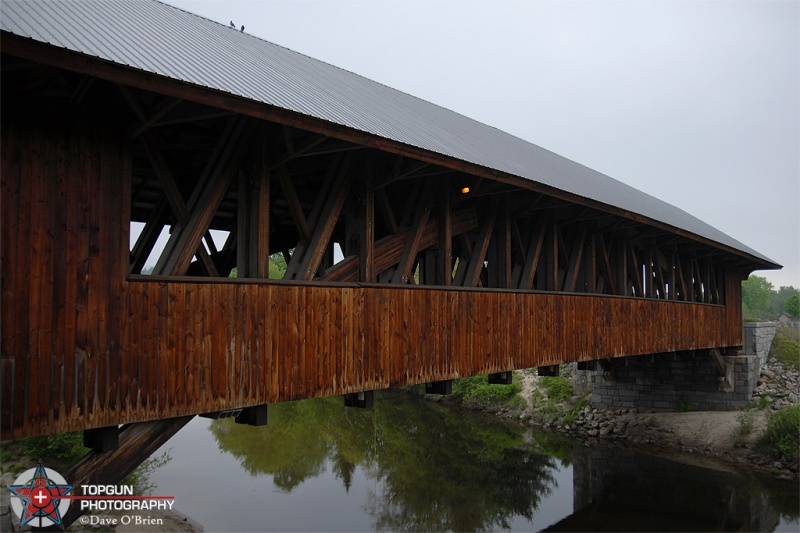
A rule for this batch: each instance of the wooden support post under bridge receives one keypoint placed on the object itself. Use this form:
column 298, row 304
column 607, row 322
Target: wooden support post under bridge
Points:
column 363, row 400
column 439, row 387
column 502, row 378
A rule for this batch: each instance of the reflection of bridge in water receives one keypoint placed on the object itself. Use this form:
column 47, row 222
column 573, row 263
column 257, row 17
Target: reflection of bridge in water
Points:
column 420, row 245
column 413, row 465
column 621, row 490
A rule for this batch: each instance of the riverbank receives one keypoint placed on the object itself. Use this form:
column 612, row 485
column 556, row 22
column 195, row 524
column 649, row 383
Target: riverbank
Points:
column 730, row 437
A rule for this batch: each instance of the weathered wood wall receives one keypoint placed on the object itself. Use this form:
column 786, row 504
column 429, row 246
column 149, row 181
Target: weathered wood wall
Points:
column 219, row 345
column 65, row 202
column 182, row 348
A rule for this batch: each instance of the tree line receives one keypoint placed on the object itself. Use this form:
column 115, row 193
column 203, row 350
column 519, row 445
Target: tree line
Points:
column 760, row 300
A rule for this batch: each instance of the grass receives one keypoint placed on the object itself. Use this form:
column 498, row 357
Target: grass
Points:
column 575, row 410
column 786, row 347
column 558, row 388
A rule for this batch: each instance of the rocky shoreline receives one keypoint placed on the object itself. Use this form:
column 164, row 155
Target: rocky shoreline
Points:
column 728, row 437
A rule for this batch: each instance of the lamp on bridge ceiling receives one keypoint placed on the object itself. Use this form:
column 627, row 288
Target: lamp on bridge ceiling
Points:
column 465, row 190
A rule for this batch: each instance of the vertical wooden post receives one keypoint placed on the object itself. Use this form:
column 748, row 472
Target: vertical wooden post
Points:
column 243, row 228
column 504, row 246
column 551, row 257
column 366, row 264
column 259, row 257
column 445, row 238
column 591, row 266
column 623, row 284
column 672, row 290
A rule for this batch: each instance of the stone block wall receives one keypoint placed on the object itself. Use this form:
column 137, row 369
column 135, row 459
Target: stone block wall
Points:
column 758, row 340
column 680, row 381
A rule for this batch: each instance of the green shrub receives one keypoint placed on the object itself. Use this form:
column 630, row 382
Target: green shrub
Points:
column 557, row 388
column 576, row 409
column 747, row 420
column 781, row 440
column 477, row 391
column 63, row 448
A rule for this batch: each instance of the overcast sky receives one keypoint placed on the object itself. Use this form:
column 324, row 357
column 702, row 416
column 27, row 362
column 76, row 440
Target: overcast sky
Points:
column 694, row 102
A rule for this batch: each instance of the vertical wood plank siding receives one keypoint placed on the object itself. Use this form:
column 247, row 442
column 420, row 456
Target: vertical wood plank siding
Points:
column 64, row 211
column 318, row 344
column 81, row 347
column 199, row 347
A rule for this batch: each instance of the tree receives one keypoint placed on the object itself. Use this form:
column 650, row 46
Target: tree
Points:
column 777, row 304
column 756, row 296
column 793, row 306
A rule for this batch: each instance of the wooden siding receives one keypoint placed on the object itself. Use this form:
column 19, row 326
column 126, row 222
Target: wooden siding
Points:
column 184, row 348
column 64, row 247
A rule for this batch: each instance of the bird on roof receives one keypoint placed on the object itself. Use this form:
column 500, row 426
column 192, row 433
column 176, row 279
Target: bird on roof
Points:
column 242, row 30
column 233, row 25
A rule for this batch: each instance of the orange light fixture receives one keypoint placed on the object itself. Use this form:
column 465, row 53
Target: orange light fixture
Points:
column 465, row 190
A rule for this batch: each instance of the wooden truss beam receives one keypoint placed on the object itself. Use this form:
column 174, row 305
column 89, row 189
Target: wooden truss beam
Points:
column 327, row 221
column 403, row 272
column 533, row 254
column 203, row 203
column 174, row 196
column 473, row 275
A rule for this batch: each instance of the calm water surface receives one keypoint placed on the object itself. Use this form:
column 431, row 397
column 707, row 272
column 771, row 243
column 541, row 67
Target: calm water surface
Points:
column 411, row 465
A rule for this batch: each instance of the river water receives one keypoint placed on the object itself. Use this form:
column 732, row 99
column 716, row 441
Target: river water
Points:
column 412, row 465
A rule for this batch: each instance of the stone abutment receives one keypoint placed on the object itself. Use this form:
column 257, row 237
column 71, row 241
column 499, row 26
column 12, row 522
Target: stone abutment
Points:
column 698, row 380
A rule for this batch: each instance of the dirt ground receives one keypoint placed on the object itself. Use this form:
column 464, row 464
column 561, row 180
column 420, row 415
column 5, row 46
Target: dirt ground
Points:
column 708, row 430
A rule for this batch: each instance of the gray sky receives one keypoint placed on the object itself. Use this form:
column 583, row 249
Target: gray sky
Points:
column 694, row 102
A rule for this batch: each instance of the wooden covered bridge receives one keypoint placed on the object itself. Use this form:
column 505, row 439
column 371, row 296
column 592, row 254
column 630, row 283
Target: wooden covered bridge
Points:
column 420, row 245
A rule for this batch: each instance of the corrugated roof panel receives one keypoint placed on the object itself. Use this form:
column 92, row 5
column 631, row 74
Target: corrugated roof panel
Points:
column 160, row 39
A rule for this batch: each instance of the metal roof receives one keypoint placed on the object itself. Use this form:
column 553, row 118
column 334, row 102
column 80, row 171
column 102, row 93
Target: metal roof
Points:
column 160, row 39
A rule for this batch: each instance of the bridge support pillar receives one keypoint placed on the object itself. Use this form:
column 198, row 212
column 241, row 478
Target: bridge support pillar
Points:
column 363, row 400
column 553, row 370
column 439, row 387
column 700, row 380
column 102, row 440
column 253, row 416
column 501, row 378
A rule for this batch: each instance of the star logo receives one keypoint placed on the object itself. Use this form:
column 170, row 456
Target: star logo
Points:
column 39, row 494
